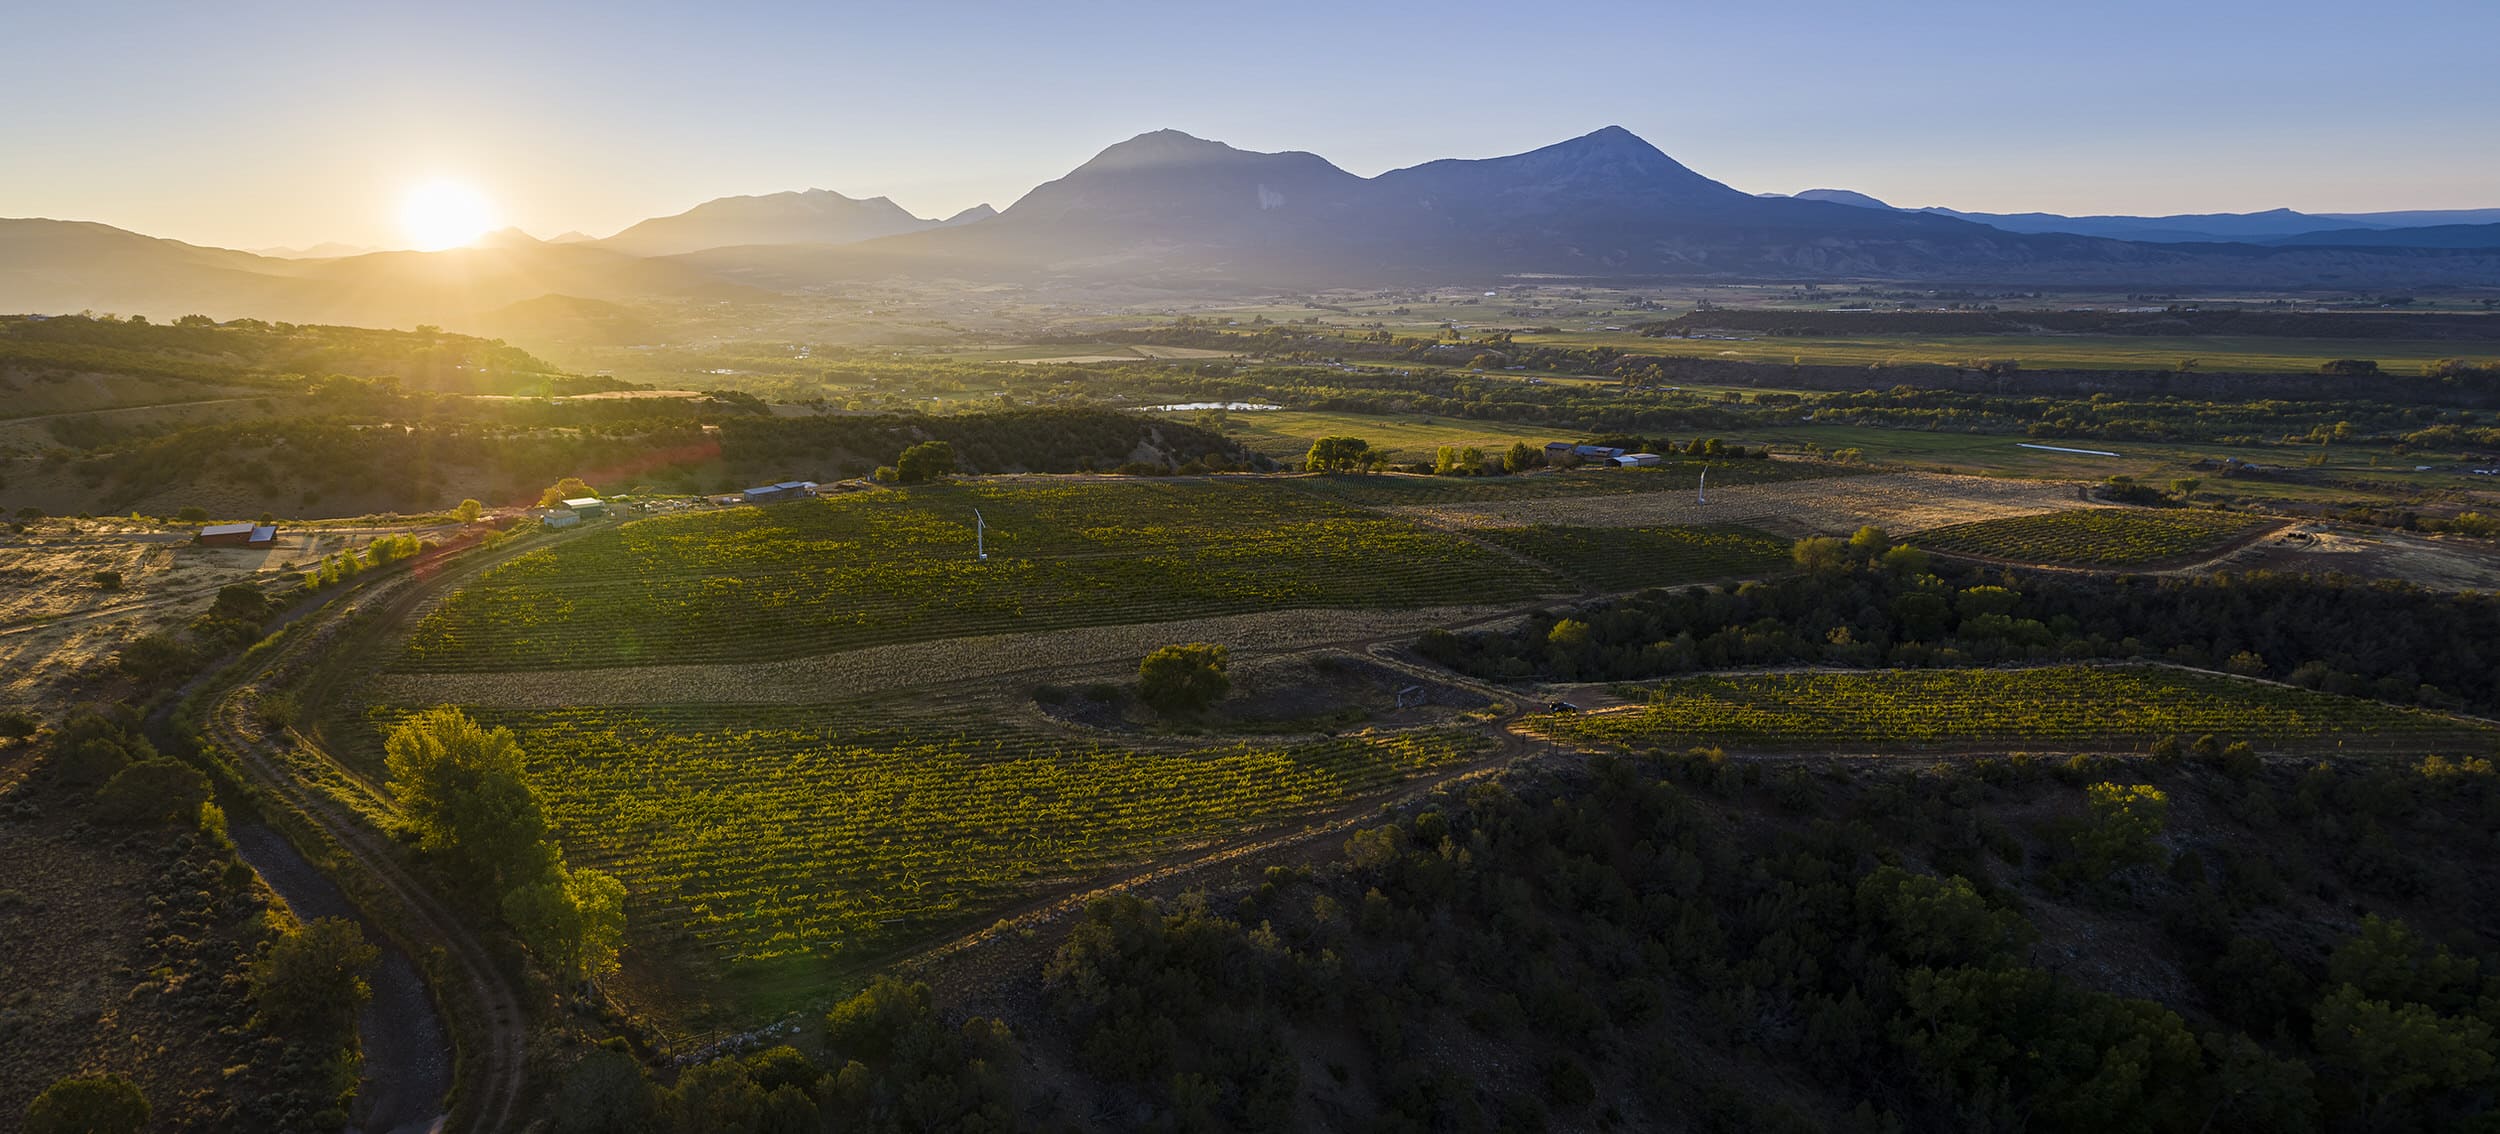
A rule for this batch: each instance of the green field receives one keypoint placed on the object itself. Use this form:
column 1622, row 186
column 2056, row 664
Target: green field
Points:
column 1625, row 559
column 2095, row 537
column 2037, row 352
column 1675, row 476
column 809, row 577
column 2124, row 709
column 752, row 834
column 1287, row 434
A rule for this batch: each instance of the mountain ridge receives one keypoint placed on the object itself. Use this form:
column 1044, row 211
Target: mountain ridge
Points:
column 1166, row 208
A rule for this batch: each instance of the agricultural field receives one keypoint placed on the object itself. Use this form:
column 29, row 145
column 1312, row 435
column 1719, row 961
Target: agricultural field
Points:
column 1287, row 434
column 1624, row 559
column 2036, row 352
column 2096, row 537
column 754, row 835
column 2123, row 709
column 905, row 665
column 810, row 577
column 1805, row 504
column 1681, row 477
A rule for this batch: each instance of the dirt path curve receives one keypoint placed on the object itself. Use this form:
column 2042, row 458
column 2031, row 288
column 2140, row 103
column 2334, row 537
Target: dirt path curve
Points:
column 480, row 1002
column 490, row 1074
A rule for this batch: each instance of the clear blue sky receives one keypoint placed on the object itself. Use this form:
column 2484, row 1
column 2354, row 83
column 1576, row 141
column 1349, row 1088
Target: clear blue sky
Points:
column 249, row 124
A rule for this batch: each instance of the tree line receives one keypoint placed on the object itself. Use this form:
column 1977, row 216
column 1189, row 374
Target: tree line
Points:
column 1867, row 603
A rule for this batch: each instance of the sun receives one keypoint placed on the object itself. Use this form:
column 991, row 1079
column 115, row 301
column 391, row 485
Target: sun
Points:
column 443, row 214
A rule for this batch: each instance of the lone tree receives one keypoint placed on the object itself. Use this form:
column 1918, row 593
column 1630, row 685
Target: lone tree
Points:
column 470, row 510
column 1183, row 678
column 464, row 790
column 925, row 462
column 91, row 1104
column 570, row 488
column 310, row 983
column 1341, row 454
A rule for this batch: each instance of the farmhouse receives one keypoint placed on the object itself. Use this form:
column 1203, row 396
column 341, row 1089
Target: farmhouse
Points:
column 238, row 535
column 587, row 507
column 776, row 493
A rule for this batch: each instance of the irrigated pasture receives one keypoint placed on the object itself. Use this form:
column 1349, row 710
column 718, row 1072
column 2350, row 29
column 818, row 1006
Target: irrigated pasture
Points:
column 810, row 577
column 750, row 834
column 2096, row 537
column 2067, row 706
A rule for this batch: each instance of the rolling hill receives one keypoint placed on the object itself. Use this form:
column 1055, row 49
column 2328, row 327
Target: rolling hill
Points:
column 816, row 216
column 66, row 266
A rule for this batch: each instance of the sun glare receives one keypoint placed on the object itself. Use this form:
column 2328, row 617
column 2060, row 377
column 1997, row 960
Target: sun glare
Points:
column 444, row 214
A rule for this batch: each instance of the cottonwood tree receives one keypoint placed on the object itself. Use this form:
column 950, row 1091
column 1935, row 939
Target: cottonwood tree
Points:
column 570, row 488
column 465, row 791
column 925, row 462
column 1341, row 454
column 573, row 921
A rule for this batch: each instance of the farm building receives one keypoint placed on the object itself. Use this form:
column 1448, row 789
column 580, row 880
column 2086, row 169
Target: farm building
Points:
column 238, row 535
column 1567, row 453
column 776, row 493
column 1638, row 460
column 560, row 518
column 587, row 507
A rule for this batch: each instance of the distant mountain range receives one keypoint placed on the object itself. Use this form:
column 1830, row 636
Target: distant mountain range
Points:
column 1166, row 208
column 2449, row 228
column 816, row 216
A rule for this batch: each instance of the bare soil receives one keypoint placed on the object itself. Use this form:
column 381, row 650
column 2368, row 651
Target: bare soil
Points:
column 2448, row 563
column 60, row 629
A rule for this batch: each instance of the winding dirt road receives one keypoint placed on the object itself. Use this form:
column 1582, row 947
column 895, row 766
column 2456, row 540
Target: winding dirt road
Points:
column 480, row 1001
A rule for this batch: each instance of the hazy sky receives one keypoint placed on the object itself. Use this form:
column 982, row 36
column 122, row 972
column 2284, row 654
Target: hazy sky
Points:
column 251, row 124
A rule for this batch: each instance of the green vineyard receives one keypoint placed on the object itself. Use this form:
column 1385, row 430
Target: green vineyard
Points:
column 1626, row 559
column 2063, row 705
column 1677, row 476
column 2094, row 537
column 755, row 833
column 756, row 584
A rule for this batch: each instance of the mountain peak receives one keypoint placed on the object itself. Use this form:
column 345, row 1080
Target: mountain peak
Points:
column 1161, row 147
column 1610, row 163
column 1613, row 136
